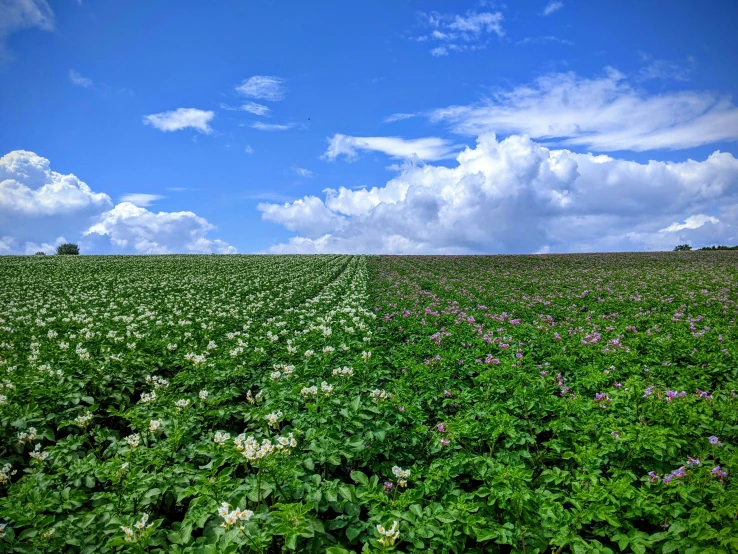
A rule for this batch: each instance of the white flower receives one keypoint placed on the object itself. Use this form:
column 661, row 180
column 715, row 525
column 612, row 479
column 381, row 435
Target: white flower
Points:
column 211, row 345
column 83, row 420
column 379, row 394
column 389, row 536
column 146, row 398
column 182, row 403
column 38, row 454
column 366, row 355
column 171, row 347
column 221, row 438
column 203, row 394
column 309, row 391
column 155, row 425
column 328, row 349
column 273, row 418
column 402, row 475
column 326, row 388
column 309, row 353
column 133, row 440
column 343, row 372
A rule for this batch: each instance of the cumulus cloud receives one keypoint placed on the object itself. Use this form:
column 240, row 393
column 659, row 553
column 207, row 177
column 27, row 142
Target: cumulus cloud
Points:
column 458, row 33
column 552, row 6
column 79, row 80
column 692, row 222
column 17, row 15
column 143, row 200
column 134, row 229
column 181, row 118
column 38, row 204
column 605, row 113
column 429, row 148
column 517, row 196
column 263, row 87
column 39, row 207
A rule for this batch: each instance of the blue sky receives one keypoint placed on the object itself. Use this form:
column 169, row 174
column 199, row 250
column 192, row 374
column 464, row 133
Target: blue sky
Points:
column 278, row 103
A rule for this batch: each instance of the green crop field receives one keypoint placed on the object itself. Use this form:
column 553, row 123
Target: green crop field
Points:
column 218, row 404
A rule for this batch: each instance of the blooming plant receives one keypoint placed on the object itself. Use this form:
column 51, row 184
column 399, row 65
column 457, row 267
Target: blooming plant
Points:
column 194, row 404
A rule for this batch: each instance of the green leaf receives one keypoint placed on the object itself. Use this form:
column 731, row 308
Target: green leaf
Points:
column 360, row 477
column 353, row 532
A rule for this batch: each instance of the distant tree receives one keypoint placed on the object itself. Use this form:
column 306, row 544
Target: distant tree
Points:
column 40, row 253
column 720, row 247
column 682, row 248
column 67, row 249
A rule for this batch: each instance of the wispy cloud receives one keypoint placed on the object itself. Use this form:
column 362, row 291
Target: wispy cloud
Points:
column 78, row 80
column 552, row 6
column 181, row 118
column 140, row 199
column 251, row 107
column 665, row 69
column 606, row 113
column 459, row 33
column 270, row 196
column 302, row 172
column 248, row 149
column 398, row 117
column 262, row 86
column 178, row 189
column 545, row 39
column 17, row 15
column 260, row 126
column 424, row 149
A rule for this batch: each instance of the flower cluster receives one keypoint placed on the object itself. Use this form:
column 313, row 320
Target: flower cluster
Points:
column 6, row 473
column 402, row 475
column 27, row 436
column 221, row 438
column 84, row 420
column 379, row 395
column 389, row 536
column 253, row 451
column 343, row 372
column 273, row 418
column 129, row 535
column 231, row 517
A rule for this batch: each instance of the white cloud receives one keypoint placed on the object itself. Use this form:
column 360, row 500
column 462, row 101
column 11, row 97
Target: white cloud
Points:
column 514, row 196
column 398, row 117
column 544, row 40
column 143, row 200
column 262, row 86
column 17, row 15
column 260, row 126
column 131, row 228
column 248, row 149
column 552, row 6
column 425, row 149
column 665, row 69
column 78, row 80
column 181, row 118
column 38, row 204
column 302, row 172
column 251, row 107
column 692, row 222
column 40, row 207
column 460, row 33
column 605, row 113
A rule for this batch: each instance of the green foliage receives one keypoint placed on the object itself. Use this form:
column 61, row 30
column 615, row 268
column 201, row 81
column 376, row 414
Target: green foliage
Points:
column 40, row 254
column 682, row 248
column 67, row 249
column 224, row 404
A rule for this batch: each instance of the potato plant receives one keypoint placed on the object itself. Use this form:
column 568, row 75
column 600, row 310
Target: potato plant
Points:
column 222, row 404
